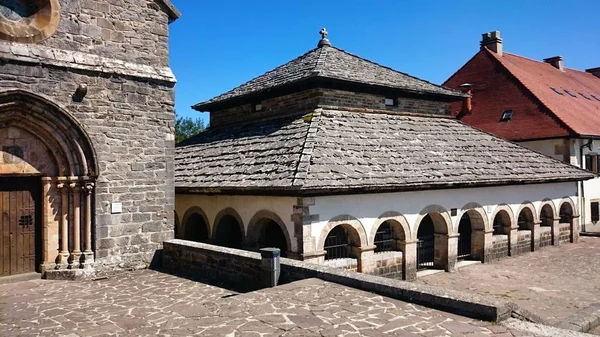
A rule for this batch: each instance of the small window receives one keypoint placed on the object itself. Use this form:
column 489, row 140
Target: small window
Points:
column 557, row 91
column 585, row 96
column 390, row 101
column 257, row 107
column 592, row 162
column 570, row 93
column 595, row 211
column 506, row 116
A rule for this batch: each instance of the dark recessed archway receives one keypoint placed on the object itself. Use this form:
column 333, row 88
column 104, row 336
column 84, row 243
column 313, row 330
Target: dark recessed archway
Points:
column 196, row 228
column 228, row 232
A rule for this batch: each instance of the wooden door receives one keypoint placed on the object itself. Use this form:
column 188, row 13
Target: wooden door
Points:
column 18, row 239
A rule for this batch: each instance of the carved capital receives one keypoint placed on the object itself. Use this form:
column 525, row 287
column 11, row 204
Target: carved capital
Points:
column 89, row 187
column 74, row 186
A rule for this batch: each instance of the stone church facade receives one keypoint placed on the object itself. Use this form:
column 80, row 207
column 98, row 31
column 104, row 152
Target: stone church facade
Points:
column 86, row 135
column 338, row 160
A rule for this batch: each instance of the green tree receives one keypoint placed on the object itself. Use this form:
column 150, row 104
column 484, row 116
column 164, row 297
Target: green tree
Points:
column 186, row 127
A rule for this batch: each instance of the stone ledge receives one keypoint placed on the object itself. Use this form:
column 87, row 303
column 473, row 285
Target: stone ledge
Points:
column 180, row 252
column 583, row 320
column 36, row 54
column 70, row 274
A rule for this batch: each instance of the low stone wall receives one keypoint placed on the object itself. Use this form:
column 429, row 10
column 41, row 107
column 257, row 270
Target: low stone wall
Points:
column 564, row 233
column 243, row 268
column 524, row 242
column 499, row 247
column 346, row 264
column 545, row 236
column 388, row 264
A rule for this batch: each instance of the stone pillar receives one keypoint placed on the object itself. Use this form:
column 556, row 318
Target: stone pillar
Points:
column 478, row 242
column 366, row 259
column 409, row 260
column 513, row 240
column 555, row 232
column 535, row 236
column 446, row 249
column 63, row 250
column 76, row 201
column 574, row 235
column 489, row 245
column 88, row 254
column 270, row 265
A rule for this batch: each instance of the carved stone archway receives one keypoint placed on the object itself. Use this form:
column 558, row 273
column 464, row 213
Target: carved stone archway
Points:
column 40, row 139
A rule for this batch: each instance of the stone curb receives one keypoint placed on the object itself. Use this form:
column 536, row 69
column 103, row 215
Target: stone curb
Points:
column 583, row 320
column 178, row 254
column 541, row 330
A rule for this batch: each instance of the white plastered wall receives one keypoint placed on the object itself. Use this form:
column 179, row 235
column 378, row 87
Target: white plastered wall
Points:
column 368, row 208
column 245, row 206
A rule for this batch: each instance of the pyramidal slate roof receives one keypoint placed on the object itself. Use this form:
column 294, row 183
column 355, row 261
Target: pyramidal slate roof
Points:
column 334, row 151
column 328, row 62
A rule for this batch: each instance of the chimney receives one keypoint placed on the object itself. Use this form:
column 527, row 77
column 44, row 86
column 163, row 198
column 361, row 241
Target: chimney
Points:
column 594, row 71
column 492, row 41
column 556, row 62
column 467, row 106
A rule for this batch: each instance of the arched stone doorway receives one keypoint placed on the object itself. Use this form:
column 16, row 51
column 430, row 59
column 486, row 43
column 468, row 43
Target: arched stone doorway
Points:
column 433, row 242
column 342, row 243
column 195, row 228
column 568, row 228
column 502, row 227
column 267, row 230
column 546, row 222
column 525, row 231
column 228, row 231
column 47, row 173
column 464, row 239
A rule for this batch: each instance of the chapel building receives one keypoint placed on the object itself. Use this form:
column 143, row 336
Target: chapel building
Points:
column 338, row 160
column 542, row 105
column 86, row 135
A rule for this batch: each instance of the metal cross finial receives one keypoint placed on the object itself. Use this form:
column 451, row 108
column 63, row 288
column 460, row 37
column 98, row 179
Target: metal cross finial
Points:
column 323, row 33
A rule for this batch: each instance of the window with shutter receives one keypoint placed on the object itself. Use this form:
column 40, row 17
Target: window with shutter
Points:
column 588, row 162
column 595, row 211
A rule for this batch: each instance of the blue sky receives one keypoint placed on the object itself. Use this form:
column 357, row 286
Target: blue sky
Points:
column 218, row 45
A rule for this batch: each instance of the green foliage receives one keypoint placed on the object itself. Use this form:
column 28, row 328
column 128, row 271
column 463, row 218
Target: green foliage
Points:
column 186, row 127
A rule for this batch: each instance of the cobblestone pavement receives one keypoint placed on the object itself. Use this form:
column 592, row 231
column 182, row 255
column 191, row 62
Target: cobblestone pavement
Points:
column 553, row 283
column 151, row 303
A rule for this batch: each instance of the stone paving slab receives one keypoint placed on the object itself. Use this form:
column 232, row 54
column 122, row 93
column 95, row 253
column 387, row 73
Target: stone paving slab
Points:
column 145, row 303
column 554, row 283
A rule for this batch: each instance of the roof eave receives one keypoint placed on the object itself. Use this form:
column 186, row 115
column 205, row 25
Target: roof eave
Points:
column 208, row 106
column 323, row 191
column 171, row 10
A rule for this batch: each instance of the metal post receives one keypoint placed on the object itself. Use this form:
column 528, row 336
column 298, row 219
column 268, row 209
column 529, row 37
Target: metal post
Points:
column 270, row 266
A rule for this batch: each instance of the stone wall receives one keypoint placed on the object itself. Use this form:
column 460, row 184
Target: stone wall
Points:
column 499, row 247
column 523, row 243
column 132, row 30
column 388, row 264
column 545, row 236
column 242, row 269
column 564, row 233
column 305, row 101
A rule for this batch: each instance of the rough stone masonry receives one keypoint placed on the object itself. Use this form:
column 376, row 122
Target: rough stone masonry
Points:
column 119, row 50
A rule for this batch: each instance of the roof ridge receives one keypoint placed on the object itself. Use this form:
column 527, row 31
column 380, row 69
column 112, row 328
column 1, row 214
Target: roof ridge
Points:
column 392, row 69
column 301, row 172
column 541, row 101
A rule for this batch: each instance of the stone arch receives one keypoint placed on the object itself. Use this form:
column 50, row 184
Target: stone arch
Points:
column 193, row 212
column 479, row 218
column 257, row 224
column 65, row 138
column 504, row 214
column 528, row 205
column 547, row 213
column 42, row 142
column 228, row 214
column 355, row 229
column 567, row 204
column 550, row 205
column 441, row 220
column 397, row 221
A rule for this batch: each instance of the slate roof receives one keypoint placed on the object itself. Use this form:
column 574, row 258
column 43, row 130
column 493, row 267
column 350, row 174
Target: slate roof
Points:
column 580, row 112
column 340, row 151
column 328, row 62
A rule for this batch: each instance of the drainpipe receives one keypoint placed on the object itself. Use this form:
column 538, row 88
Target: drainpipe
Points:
column 581, row 161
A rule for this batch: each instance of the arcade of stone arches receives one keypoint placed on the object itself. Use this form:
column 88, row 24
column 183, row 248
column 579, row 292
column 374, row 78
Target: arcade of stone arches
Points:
column 432, row 242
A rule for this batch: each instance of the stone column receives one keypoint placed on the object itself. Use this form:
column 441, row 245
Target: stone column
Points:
column 409, row 260
column 76, row 201
column 366, row 259
column 535, row 236
column 88, row 254
column 555, row 232
column 513, row 240
column 574, row 235
column 63, row 251
column 446, row 249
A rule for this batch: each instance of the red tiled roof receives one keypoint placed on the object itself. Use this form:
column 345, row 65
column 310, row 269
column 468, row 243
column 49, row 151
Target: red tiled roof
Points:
column 579, row 113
